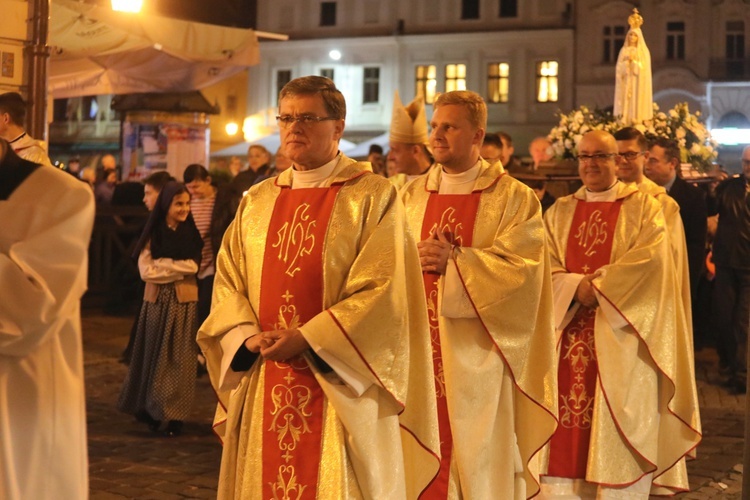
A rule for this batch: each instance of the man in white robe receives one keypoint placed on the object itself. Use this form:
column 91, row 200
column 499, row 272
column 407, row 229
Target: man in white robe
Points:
column 12, row 116
column 46, row 218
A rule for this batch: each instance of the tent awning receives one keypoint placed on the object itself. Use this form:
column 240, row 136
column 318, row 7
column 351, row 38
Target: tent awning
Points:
column 97, row 51
column 362, row 149
column 271, row 143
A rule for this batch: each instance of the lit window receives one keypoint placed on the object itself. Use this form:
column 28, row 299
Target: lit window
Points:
column 497, row 82
column 426, row 82
column 614, row 39
column 546, row 81
column 455, row 77
column 371, row 86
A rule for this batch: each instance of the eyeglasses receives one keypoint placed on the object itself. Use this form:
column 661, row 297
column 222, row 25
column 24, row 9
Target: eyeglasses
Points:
column 598, row 157
column 285, row 121
column 631, row 155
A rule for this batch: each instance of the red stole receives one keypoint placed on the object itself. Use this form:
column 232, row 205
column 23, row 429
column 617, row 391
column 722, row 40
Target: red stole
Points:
column 589, row 248
column 454, row 215
column 291, row 294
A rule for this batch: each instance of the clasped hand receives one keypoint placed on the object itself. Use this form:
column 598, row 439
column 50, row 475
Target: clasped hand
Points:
column 278, row 345
column 434, row 252
column 585, row 293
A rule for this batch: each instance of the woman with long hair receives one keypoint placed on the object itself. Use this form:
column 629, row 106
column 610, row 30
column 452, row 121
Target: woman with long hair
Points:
column 160, row 384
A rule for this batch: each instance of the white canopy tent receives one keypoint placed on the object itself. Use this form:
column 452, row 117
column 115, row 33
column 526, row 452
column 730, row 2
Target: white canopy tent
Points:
column 98, row 51
column 363, row 148
column 271, row 143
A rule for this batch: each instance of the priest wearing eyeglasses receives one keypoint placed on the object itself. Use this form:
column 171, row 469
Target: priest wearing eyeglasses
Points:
column 628, row 404
column 317, row 342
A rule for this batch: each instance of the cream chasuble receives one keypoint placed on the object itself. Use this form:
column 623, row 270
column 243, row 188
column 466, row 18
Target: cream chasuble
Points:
column 493, row 365
column 45, row 226
column 645, row 409
column 373, row 427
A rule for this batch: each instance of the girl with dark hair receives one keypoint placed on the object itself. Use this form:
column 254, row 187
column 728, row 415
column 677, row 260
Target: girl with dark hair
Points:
column 160, row 383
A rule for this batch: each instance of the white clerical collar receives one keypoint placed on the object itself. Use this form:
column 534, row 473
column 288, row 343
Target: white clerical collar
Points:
column 463, row 177
column 315, row 177
column 609, row 194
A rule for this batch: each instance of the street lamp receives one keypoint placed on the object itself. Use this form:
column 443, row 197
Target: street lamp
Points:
column 127, row 5
column 232, row 128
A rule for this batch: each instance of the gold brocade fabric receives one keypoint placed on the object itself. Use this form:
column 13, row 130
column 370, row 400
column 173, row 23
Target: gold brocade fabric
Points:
column 384, row 443
column 676, row 232
column 647, row 385
column 505, row 274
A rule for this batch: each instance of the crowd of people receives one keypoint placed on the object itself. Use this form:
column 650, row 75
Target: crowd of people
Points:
column 421, row 324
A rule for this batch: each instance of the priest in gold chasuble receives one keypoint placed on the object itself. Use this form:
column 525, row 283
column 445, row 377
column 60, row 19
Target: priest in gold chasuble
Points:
column 486, row 277
column 627, row 397
column 321, row 363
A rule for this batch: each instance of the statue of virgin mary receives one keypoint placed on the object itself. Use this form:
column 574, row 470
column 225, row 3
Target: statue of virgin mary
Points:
column 633, row 94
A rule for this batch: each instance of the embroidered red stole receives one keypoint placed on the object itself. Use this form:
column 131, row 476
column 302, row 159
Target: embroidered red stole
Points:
column 454, row 215
column 291, row 294
column 589, row 248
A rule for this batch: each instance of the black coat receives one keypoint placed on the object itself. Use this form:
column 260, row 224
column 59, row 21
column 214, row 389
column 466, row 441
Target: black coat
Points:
column 692, row 202
column 732, row 241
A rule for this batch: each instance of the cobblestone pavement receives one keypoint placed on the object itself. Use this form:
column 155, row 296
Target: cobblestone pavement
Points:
column 128, row 461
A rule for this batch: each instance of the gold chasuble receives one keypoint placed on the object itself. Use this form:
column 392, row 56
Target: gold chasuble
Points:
column 337, row 263
column 644, row 414
column 493, row 337
column 589, row 248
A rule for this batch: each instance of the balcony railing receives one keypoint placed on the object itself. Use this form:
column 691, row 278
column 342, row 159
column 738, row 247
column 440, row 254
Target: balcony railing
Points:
column 729, row 69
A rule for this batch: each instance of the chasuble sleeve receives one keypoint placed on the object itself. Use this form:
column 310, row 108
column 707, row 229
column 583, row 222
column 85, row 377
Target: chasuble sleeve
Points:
column 640, row 271
column 511, row 274
column 232, row 318
column 44, row 272
column 376, row 304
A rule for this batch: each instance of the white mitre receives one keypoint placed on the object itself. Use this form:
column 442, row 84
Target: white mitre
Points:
column 409, row 123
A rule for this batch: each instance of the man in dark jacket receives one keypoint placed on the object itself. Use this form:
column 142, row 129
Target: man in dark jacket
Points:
column 731, row 254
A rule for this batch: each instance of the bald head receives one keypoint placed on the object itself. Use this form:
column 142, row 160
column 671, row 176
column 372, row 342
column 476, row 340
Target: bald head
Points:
column 597, row 160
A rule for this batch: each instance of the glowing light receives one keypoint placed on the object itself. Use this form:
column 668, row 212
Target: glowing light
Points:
column 127, row 5
column 335, row 55
column 731, row 136
column 232, row 128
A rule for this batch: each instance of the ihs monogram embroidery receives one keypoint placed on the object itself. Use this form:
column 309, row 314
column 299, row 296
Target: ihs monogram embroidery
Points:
column 296, row 239
column 592, row 233
column 449, row 227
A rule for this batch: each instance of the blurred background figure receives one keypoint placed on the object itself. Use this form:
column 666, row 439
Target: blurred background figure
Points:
column 375, row 157
column 74, row 167
column 281, row 162
column 235, row 166
column 540, row 190
column 88, row 175
column 510, row 162
column 105, row 187
column 540, row 150
column 492, row 148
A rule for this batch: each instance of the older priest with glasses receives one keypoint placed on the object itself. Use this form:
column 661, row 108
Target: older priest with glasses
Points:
column 627, row 397
column 321, row 363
